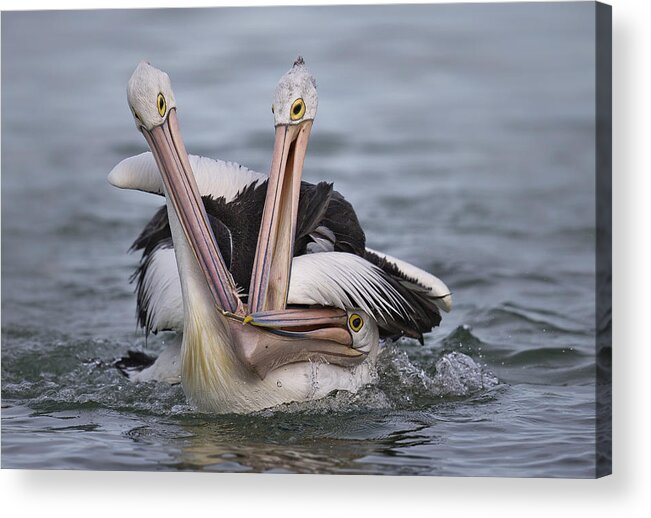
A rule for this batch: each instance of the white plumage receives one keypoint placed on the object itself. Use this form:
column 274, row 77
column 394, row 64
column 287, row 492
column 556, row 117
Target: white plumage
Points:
column 344, row 281
column 214, row 177
column 436, row 286
column 218, row 178
column 319, row 278
column 162, row 290
column 328, row 279
column 228, row 361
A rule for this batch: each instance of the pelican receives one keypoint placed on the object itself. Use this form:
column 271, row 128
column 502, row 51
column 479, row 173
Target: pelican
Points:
column 225, row 360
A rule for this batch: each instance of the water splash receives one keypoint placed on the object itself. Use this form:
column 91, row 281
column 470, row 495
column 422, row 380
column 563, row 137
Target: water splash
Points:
column 403, row 384
column 79, row 374
column 454, row 374
column 458, row 375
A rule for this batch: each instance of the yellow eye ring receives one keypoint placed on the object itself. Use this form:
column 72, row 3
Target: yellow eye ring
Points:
column 298, row 109
column 162, row 105
column 355, row 322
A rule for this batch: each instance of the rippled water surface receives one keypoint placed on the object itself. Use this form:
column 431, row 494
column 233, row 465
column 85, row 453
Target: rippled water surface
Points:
column 464, row 137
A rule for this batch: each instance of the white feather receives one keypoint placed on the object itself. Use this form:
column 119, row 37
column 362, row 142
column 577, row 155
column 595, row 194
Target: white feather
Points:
column 214, row 177
column 167, row 366
column 323, row 240
column 219, row 178
column 438, row 290
column 162, row 288
column 330, row 279
column 345, row 281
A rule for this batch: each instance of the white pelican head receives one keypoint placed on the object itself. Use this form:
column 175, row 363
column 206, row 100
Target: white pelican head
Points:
column 363, row 329
column 296, row 99
column 228, row 350
column 153, row 105
column 149, row 83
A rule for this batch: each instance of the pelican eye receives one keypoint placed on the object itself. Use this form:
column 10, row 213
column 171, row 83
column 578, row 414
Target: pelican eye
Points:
column 162, row 105
column 272, row 108
column 298, row 109
column 356, row 322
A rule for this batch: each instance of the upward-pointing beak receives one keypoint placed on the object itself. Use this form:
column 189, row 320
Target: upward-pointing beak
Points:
column 275, row 249
column 181, row 188
column 262, row 340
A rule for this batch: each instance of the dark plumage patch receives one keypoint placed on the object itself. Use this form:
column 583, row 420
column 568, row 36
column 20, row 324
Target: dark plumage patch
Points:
column 312, row 208
column 134, row 361
column 425, row 315
column 236, row 226
column 342, row 220
column 241, row 217
column 155, row 231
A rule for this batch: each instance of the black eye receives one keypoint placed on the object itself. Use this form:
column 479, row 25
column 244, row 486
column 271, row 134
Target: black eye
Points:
column 297, row 109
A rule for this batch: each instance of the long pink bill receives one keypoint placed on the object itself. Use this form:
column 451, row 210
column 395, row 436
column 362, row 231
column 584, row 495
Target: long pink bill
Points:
column 169, row 151
column 275, row 248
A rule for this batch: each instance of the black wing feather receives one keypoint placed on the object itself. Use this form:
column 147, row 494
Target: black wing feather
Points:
column 236, row 226
column 425, row 315
column 312, row 209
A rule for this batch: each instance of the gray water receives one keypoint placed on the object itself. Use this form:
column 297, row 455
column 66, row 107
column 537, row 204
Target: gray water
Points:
column 464, row 137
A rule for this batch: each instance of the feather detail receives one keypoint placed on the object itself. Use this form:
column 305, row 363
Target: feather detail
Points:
column 334, row 279
column 158, row 290
column 312, row 209
column 402, row 298
column 215, row 178
column 413, row 278
column 347, row 281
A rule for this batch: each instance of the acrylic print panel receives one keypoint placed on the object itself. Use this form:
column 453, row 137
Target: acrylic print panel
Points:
column 473, row 142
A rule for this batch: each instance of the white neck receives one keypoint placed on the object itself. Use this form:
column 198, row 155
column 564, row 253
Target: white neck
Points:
column 210, row 371
column 214, row 379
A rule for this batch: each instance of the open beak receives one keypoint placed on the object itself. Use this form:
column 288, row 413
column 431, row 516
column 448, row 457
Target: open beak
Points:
column 295, row 335
column 275, row 249
column 270, row 336
column 318, row 323
column 181, row 188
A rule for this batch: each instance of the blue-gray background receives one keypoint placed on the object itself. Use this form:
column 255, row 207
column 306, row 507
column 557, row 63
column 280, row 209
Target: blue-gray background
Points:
column 462, row 134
